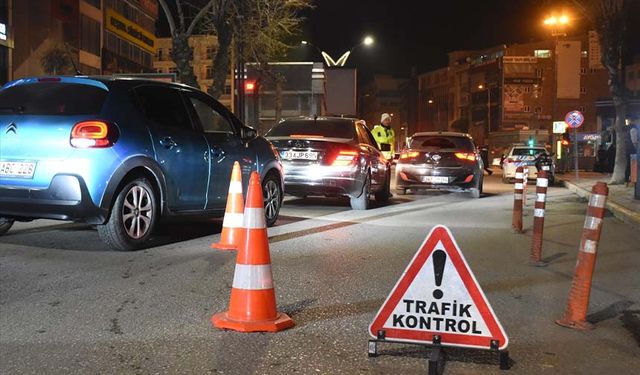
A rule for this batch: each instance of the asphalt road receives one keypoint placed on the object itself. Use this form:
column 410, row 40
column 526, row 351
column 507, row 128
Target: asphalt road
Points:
column 69, row 305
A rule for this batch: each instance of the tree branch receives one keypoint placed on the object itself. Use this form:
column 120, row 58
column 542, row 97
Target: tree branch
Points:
column 199, row 16
column 167, row 12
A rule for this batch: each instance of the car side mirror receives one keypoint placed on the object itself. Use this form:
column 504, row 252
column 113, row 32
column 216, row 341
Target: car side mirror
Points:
column 248, row 134
column 385, row 147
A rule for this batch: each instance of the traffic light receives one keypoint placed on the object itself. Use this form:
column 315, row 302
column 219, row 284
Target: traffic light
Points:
column 566, row 139
column 249, row 87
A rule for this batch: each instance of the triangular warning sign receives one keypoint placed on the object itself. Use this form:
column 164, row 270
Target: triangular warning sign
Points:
column 438, row 295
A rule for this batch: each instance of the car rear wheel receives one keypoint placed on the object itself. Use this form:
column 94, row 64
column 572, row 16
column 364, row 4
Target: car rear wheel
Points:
column 272, row 193
column 5, row 225
column 362, row 202
column 132, row 218
column 383, row 195
column 476, row 192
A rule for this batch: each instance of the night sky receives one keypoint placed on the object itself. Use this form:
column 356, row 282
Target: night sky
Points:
column 419, row 33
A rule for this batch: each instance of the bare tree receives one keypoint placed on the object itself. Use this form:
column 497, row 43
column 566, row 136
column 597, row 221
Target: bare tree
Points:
column 611, row 18
column 181, row 51
column 259, row 30
column 55, row 61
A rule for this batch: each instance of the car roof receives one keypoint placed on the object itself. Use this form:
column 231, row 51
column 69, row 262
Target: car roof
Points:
column 446, row 134
column 94, row 79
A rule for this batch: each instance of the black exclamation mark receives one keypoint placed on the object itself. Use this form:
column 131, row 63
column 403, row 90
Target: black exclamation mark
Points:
column 439, row 259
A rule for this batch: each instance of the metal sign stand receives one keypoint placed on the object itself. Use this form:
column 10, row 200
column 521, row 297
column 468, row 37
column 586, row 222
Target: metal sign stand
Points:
column 575, row 153
column 437, row 354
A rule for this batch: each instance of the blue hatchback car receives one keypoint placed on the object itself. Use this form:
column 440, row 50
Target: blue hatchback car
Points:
column 122, row 154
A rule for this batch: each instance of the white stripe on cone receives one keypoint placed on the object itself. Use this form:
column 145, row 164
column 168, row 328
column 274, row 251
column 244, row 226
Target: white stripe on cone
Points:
column 589, row 246
column 518, row 186
column 592, row 223
column 541, row 197
column 597, row 200
column 542, row 182
column 253, row 277
column 517, row 196
column 235, row 187
column 519, row 175
column 254, row 218
column 538, row 212
column 232, row 220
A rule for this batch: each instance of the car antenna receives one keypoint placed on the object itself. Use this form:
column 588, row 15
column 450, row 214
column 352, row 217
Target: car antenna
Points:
column 75, row 67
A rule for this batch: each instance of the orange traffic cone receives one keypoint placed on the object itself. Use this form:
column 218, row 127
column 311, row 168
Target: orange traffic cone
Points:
column 252, row 307
column 232, row 223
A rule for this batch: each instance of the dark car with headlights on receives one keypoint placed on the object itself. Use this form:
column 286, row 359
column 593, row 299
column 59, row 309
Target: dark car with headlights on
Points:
column 331, row 156
column 441, row 161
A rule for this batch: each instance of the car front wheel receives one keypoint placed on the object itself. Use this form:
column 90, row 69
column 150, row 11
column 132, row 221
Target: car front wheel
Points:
column 272, row 193
column 132, row 218
column 5, row 225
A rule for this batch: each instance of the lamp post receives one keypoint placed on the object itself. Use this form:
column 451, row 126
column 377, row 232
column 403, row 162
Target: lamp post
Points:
column 342, row 60
column 557, row 25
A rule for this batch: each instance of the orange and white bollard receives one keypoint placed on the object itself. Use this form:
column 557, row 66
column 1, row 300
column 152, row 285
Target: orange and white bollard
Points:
column 516, row 223
column 525, row 182
column 542, row 182
column 578, row 304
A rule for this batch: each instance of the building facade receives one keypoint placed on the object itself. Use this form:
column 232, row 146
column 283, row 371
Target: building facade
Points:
column 6, row 41
column 86, row 36
column 501, row 93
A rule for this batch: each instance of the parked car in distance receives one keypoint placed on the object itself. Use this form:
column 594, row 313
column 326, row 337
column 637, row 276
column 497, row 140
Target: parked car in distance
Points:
column 521, row 155
column 122, row 154
column 331, row 156
column 440, row 161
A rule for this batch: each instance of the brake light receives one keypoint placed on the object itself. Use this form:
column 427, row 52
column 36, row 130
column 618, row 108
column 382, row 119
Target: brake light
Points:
column 92, row 134
column 344, row 158
column 466, row 156
column 49, row 79
column 409, row 154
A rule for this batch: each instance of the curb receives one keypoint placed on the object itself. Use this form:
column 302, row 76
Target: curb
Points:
column 626, row 215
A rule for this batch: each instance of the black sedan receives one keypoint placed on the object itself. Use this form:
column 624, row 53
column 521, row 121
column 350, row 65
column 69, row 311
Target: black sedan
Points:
column 441, row 161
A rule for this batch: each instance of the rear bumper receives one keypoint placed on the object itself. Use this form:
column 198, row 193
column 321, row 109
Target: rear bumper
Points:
column 66, row 198
column 458, row 179
column 323, row 180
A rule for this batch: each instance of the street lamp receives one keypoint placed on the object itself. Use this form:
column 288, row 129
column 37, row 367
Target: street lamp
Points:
column 557, row 24
column 342, row 60
column 480, row 87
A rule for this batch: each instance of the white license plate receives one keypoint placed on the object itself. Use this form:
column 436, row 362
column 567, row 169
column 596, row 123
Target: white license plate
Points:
column 300, row 155
column 435, row 179
column 23, row 169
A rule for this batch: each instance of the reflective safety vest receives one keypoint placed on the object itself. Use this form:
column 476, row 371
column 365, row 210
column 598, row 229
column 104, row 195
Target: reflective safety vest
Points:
column 384, row 135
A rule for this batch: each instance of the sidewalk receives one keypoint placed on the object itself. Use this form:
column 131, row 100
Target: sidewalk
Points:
column 620, row 201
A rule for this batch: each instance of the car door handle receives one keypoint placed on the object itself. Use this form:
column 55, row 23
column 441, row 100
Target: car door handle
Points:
column 168, row 143
column 217, row 152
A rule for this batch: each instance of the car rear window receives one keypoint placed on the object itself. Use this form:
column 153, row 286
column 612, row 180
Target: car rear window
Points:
column 52, row 98
column 442, row 144
column 527, row 151
column 321, row 128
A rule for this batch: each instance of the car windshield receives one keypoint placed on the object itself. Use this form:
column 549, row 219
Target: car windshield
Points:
column 311, row 128
column 52, row 98
column 441, row 144
column 528, row 151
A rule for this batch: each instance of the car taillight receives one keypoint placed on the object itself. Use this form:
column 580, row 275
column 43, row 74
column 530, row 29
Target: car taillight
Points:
column 92, row 134
column 344, row 158
column 409, row 154
column 466, row 156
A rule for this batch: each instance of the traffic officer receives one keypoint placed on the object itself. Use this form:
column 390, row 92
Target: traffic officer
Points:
column 384, row 135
